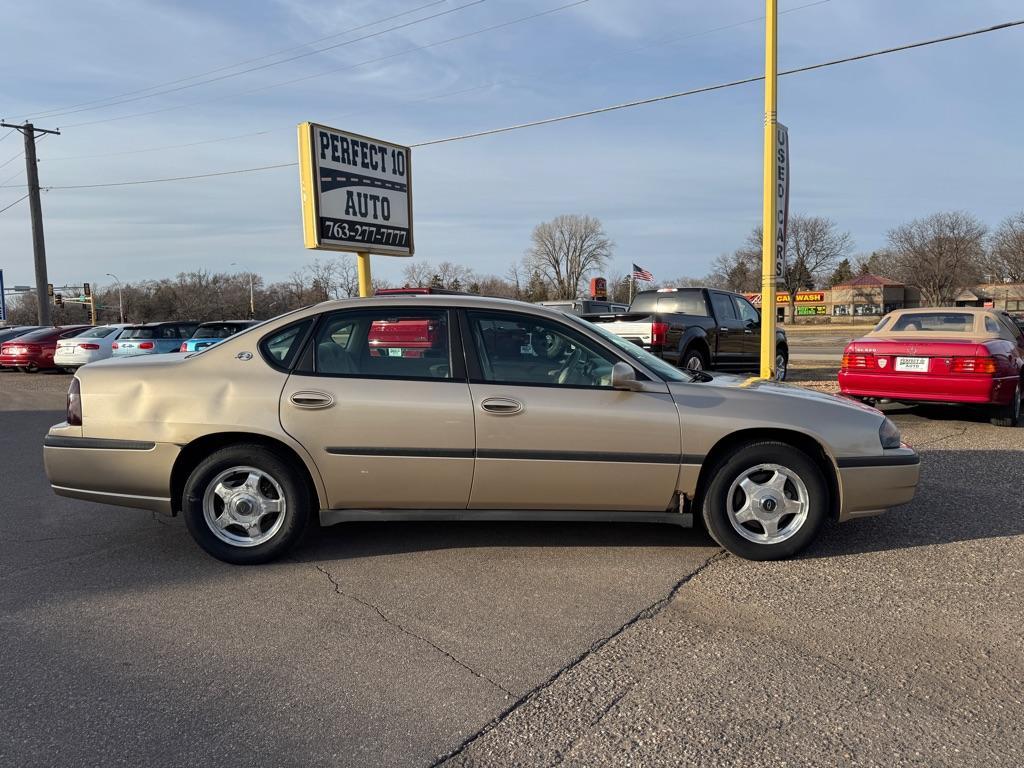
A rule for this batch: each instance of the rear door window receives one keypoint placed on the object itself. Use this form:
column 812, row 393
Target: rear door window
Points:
column 724, row 309
column 387, row 343
column 281, row 347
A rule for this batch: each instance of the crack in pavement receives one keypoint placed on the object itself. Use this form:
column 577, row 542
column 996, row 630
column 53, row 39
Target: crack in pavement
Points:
column 647, row 613
column 935, row 440
column 388, row 620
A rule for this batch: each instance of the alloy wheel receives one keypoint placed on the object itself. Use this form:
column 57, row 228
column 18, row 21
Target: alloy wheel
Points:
column 244, row 506
column 767, row 503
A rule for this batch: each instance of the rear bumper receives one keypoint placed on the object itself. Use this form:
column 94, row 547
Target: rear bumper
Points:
column 927, row 387
column 871, row 485
column 126, row 473
column 78, row 358
column 24, row 361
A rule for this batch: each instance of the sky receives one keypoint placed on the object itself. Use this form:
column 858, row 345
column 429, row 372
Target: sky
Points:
column 675, row 184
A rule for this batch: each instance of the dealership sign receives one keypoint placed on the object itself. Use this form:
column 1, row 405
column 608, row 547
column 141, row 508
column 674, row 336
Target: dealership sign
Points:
column 802, row 297
column 781, row 197
column 356, row 192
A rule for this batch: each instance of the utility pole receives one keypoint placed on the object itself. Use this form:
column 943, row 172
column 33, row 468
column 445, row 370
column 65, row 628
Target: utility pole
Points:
column 120, row 297
column 769, row 223
column 38, row 245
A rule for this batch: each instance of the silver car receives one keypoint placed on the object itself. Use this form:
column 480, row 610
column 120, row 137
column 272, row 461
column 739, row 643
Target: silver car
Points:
column 439, row 406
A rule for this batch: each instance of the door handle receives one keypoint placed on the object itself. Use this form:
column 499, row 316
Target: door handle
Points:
column 724, row 330
column 502, row 406
column 311, row 400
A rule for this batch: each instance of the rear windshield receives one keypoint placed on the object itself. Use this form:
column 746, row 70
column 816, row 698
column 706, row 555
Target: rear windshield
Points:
column 37, row 335
column 939, row 322
column 675, row 302
column 99, row 332
column 219, row 331
column 139, row 333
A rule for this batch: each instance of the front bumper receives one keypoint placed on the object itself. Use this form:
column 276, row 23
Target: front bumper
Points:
column 126, row 473
column 871, row 485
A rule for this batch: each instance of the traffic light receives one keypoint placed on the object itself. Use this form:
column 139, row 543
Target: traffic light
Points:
column 49, row 290
column 58, row 299
column 86, row 290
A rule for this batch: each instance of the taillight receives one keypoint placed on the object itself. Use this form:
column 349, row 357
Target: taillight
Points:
column 659, row 334
column 146, row 345
column 859, row 361
column 74, row 410
column 985, row 365
column 114, row 345
column 89, row 346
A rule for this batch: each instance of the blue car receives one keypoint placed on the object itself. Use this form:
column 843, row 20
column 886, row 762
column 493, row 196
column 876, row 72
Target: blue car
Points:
column 208, row 334
column 153, row 338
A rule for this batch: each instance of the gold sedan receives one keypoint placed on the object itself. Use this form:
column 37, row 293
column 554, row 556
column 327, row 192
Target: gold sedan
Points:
column 451, row 407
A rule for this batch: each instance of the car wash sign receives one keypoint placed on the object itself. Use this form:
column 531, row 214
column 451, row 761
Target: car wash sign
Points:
column 356, row 192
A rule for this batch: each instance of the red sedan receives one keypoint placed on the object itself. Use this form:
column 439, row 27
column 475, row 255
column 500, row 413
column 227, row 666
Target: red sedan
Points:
column 954, row 355
column 34, row 351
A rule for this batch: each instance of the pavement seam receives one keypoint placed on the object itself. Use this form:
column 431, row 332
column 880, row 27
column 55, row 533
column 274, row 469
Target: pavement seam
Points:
column 647, row 613
column 388, row 620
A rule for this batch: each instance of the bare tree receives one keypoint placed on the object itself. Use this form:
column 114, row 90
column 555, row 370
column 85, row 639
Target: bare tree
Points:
column 567, row 249
column 1006, row 250
column 940, row 255
column 740, row 270
column 814, row 245
column 417, row 274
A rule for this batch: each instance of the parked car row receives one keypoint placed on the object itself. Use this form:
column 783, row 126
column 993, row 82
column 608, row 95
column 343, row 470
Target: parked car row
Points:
column 36, row 348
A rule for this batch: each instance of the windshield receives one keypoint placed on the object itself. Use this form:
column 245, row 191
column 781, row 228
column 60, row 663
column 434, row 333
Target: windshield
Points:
column 660, row 367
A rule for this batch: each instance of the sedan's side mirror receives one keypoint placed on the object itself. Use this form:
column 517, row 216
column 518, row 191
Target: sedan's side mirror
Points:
column 624, row 377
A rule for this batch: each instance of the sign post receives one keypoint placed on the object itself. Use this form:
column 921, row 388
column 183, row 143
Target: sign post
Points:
column 3, row 299
column 356, row 196
column 770, row 244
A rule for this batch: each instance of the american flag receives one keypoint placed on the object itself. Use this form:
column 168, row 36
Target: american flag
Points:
column 639, row 273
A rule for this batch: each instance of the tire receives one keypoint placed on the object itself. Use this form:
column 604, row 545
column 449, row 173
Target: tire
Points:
column 251, row 479
column 1008, row 415
column 781, row 364
column 775, row 471
column 694, row 360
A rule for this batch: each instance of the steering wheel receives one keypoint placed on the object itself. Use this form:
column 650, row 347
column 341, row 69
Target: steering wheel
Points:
column 550, row 345
column 570, row 371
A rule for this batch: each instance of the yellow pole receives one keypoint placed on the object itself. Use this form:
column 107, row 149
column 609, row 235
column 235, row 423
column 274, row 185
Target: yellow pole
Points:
column 365, row 282
column 768, row 226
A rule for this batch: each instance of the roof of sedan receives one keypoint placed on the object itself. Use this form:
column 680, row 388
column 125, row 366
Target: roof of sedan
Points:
column 437, row 299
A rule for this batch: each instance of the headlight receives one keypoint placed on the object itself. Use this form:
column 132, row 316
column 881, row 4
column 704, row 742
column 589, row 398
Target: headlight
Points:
column 889, row 434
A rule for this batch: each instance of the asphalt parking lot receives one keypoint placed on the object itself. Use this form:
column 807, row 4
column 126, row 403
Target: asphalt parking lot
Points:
column 894, row 641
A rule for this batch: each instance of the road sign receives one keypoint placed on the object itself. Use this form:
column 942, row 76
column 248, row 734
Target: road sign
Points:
column 356, row 192
column 781, row 197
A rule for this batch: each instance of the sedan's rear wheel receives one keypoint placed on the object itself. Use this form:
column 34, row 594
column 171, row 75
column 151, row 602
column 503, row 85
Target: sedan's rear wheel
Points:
column 246, row 504
column 1008, row 415
column 765, row 501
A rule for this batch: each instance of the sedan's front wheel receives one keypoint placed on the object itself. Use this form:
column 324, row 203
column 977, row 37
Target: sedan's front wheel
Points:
column 765, row 501
column 246, row 504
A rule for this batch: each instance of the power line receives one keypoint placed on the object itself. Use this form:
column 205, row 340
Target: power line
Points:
column 57, row 110
column 12, row 176
column 23, row 197
column 717, row 87
column 269, row 64
column 404, row 52
column 8, row 134
column 601, row 110
column 175, row 178
column 444, row 95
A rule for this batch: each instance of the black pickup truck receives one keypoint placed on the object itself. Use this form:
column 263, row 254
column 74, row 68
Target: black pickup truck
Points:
column 697, row 328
